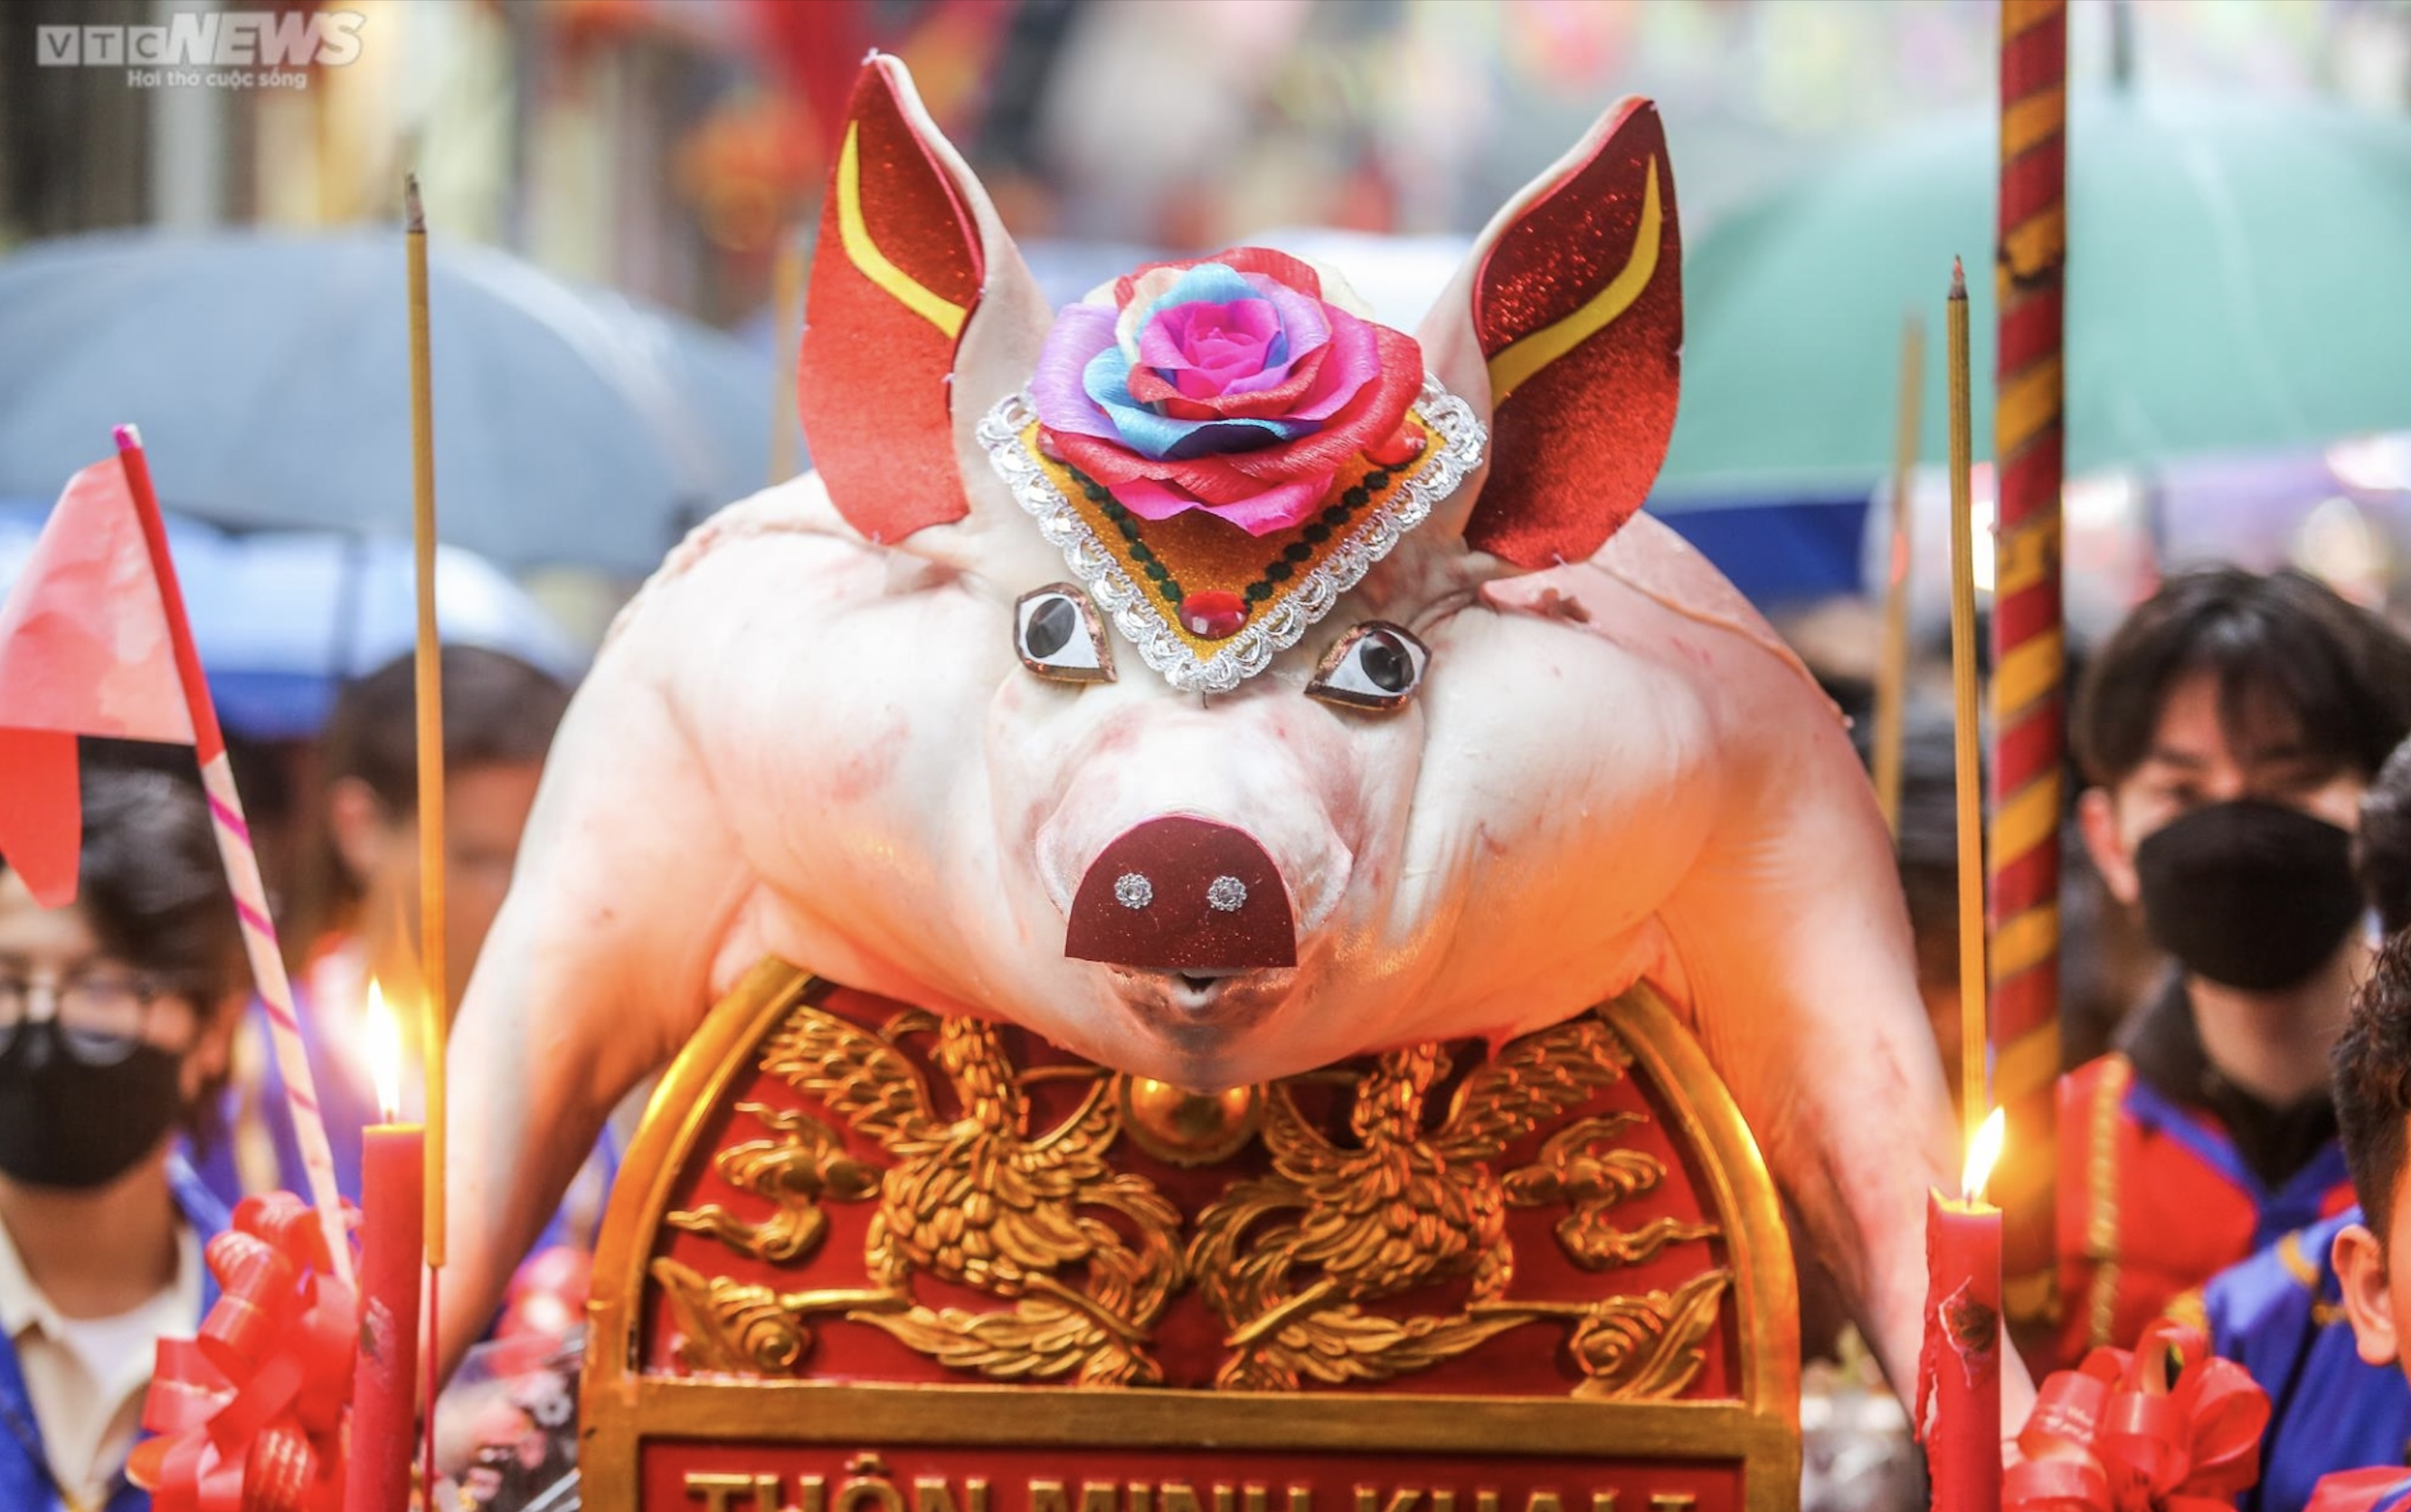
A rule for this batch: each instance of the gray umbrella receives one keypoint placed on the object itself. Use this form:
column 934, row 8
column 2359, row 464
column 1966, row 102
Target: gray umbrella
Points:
column 270, row 377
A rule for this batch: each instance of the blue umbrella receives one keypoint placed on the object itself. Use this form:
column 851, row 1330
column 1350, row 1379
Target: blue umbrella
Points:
column 270, row 377
column 282, row 618
column 1795, row 548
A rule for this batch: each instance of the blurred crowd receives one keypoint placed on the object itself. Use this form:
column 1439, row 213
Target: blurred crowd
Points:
column 138, row 1102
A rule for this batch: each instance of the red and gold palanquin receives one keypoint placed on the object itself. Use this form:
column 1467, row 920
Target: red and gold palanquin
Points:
column 862, row 1257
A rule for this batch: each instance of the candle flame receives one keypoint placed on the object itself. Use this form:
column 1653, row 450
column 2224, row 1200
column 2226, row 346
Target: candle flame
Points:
column 1982, row 1152
column 385, row 1053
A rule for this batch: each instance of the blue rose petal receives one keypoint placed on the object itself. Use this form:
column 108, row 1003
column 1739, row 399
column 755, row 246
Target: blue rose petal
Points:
column 1107, row 380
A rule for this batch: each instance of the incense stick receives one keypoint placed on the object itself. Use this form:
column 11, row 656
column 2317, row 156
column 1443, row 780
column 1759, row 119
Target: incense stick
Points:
column 429, row 1366
column 1962, row 687
column 431, row 723
column 429, row 699
column 1892, row 671
column 787, row 296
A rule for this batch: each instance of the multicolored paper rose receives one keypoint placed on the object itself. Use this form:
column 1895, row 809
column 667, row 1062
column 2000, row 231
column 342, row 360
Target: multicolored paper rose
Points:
column 1230, row 384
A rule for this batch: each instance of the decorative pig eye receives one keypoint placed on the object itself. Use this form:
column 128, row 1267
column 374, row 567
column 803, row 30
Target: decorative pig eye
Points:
column 1376, row 666
column 1057, row 631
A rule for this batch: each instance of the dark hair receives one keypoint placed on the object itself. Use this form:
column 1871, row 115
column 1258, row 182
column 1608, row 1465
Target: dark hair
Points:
column 152, row 891
column 498, row 710
column 2382, row 849
column 2278, row 641
column 151, row 886
column 2372, row 1082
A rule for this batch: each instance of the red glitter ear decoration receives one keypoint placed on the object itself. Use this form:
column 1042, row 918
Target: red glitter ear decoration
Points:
column 1579, row 309
column 896, row 274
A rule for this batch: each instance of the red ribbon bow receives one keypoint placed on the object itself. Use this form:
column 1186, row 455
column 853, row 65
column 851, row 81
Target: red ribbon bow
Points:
column 2168, row 1428
column 250, row 1414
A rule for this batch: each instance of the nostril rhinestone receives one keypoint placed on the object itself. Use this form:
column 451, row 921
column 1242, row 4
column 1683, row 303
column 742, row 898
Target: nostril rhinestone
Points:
column 1131, row 890
column 1226, row 894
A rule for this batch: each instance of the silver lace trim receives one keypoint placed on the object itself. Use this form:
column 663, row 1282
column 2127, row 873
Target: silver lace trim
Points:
column 1279, row 625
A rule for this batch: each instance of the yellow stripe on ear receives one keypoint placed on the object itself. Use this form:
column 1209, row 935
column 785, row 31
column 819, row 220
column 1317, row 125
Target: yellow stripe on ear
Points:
column 865, row 254
column 1528, row 354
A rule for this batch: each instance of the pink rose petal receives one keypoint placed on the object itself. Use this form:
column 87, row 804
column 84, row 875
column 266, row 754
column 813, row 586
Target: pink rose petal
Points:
column 1263, row 513
column 1350, row 380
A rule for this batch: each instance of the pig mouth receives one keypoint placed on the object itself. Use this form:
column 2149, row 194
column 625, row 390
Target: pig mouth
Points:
column 1194, row 1006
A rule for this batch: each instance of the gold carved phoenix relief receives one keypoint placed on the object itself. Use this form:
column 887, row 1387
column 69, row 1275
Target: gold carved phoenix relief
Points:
column 1081, row 1259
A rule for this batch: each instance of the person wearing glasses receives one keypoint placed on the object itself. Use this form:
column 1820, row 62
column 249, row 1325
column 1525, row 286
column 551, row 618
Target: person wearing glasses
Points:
column 116, row 1014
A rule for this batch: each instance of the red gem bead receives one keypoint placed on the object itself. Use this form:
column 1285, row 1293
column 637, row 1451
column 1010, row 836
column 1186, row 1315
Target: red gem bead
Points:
column 1403, row 447
column 1211, row 616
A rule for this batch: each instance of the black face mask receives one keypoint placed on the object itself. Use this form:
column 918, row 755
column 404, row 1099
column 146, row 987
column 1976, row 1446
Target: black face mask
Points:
column 2249, row 894
column 63, row 1123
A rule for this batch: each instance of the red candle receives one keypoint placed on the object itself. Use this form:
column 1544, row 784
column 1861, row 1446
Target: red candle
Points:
column 392, row 1205
column 1959, row 1400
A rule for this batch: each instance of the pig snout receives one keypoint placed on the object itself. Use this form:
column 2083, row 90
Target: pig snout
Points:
column 1183, row 894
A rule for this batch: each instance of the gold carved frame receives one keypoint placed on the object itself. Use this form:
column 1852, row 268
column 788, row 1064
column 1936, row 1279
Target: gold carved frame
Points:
column 622, row 1407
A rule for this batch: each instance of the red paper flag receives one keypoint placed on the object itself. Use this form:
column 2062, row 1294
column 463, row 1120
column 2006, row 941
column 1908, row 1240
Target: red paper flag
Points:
column 85, row 650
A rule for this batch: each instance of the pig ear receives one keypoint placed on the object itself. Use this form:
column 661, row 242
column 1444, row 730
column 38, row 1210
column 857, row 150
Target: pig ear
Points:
column 1568, row 312
column 919, row 306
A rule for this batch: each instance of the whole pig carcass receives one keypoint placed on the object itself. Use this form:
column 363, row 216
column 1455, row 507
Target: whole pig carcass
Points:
column 1487, row 749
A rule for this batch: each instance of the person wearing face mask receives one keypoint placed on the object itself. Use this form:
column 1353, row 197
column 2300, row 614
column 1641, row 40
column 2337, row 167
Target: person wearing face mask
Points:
column 2228, row 729
column 115, row 1017
column 2281, row 1315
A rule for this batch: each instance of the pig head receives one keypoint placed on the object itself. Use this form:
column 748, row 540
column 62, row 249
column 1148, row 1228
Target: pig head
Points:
column 872, row 722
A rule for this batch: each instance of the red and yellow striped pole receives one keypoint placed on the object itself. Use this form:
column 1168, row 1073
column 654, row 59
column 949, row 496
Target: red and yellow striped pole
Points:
column 2028, row 636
